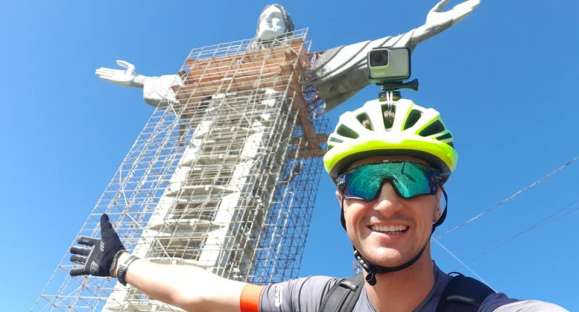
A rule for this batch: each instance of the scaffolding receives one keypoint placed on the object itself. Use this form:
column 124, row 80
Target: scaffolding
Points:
column 223, row 178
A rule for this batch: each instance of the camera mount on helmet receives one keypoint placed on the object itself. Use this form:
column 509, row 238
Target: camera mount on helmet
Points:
column 389, row 68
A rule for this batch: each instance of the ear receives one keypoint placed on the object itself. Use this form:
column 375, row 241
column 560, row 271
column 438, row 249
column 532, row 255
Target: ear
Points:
column 437, row 213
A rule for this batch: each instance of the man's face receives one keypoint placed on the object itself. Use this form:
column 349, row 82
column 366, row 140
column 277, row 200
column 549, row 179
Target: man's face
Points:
column 271, row 23
column 390, row 230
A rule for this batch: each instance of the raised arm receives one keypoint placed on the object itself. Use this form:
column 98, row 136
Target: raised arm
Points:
column 341, row 72
column 156, row 89
column 439, row 20
column 188, row 287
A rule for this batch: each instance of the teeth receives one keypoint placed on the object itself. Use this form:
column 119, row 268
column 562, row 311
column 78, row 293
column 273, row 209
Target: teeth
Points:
column 389, row 228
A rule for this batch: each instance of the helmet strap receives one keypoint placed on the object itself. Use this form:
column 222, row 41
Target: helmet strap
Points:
column 374, row 269
column 342, row 219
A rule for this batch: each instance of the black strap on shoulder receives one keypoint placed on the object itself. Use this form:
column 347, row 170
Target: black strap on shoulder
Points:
column 464, row 294
column 342, row 297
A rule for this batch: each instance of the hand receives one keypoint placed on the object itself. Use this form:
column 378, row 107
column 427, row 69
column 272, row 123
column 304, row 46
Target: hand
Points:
column 439, row 20
column 437, row 17
column 124, row 77
column 98, row 258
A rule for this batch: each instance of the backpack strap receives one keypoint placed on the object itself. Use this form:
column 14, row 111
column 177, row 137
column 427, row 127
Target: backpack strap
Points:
column 342, row 297
column 464, row 294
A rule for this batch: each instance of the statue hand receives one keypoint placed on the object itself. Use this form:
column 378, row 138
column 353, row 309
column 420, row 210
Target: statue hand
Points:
column 124, row 77
column 437, row 17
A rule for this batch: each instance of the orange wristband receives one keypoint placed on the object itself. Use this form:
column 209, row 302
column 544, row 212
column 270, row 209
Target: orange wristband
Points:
column 249, row 300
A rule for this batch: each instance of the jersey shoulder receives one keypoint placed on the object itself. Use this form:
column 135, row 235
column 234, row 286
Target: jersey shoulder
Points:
column 302, row 294
column 499, row 302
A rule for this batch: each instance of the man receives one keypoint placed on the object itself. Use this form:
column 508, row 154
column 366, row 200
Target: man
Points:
column 389, row 161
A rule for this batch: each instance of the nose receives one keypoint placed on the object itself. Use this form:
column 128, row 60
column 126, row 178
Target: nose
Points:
column 388, row 202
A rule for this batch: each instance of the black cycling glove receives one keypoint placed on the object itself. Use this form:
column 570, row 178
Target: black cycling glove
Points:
column 98, row 258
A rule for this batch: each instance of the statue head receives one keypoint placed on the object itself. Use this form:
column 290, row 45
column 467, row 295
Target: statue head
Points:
column 273, row 22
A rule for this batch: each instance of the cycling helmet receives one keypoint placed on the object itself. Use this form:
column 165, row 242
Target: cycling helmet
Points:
column 382, row 127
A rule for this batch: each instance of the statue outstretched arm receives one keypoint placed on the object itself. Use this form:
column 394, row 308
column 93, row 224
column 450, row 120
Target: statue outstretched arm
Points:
column 126, row 77
column 341, row 72
column 156, row 89
column 439, row 20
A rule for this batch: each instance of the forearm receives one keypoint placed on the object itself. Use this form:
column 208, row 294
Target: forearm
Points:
column 190, row 288
column 138, row 81
column 424, row 32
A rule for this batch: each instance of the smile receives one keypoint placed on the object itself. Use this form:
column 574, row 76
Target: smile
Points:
column 389, row 229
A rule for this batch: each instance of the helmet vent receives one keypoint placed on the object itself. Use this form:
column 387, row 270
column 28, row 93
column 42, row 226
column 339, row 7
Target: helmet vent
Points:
column 445, row 136
column 335, row 140
column 388, row 113
column 433, row 128
column 365, row 121
column 332, row 141
column 347, row 132
column 413, row 117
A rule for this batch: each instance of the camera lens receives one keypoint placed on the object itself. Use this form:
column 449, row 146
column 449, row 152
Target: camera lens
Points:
column 379, row 58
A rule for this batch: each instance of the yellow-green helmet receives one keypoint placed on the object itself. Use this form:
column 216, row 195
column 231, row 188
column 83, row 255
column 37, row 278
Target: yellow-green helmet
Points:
column 396, row 128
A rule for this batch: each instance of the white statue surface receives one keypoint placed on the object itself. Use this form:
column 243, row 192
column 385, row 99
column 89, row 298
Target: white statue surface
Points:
column 338, row 73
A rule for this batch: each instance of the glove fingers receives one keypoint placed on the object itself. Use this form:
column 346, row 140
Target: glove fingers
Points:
column 79, row 251
column 105, row 223
column 78, row 259
column 110, row 239
column 76, row 271
column 87, row 241
column 109, row 235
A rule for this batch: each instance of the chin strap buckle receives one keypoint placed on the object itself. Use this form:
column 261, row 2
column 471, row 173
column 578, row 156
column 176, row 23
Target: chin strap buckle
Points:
column 371, row 278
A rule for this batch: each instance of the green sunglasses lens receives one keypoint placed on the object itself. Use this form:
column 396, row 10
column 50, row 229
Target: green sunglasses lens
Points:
column 412, row 181
column 409, row 180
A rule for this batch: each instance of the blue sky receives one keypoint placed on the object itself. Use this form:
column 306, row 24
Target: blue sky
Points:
column 505, row 80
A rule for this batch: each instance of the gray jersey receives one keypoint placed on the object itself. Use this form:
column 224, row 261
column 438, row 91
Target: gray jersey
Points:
column 305, row 295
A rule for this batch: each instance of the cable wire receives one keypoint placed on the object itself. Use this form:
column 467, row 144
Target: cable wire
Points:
column 455, row 257
column 565, row 211
column 511, row 197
